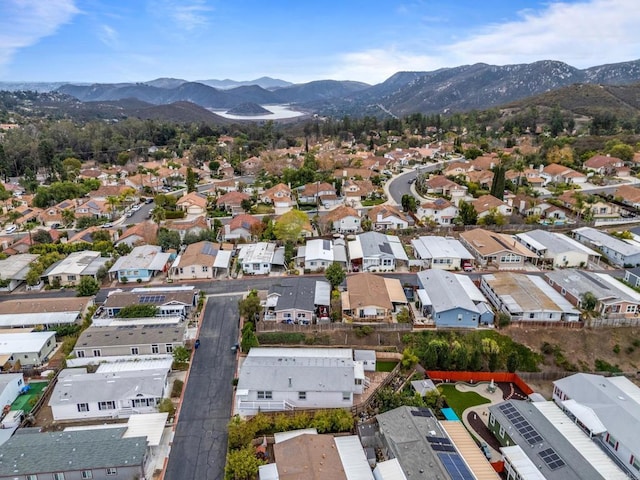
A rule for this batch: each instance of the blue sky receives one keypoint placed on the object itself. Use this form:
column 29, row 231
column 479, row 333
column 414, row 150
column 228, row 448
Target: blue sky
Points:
column 300, row 40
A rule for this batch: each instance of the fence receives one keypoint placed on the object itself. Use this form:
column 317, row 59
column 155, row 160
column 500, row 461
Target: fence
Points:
column 330, row 327
column 545, row 324
column 475, row 377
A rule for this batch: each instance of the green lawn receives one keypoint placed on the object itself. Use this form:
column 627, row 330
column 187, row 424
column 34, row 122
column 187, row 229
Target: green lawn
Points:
column 23, row 401
column 385, row 366
column 460, row 401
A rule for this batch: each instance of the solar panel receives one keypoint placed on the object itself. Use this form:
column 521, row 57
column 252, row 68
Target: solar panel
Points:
column 523, row 427
column 439, row 440
column 151, row 298
column 421, row 412
column 455, row 466
column 551, row 458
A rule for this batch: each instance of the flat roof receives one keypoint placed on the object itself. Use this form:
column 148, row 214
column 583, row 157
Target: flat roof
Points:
column 15, row 267
column 16, row 343
column 41, row 305
column 131, row 335
column 554, row 243
column 75, row 263
column 149, row 297
column 261, row 252
column 521, row 463
column 354, row 461
column 445, row 291
column 606, row 288
column 440, row 247
column 144, row 257
column 313, row 457
column 135, row 365
column 467, row 447
column 623, row 247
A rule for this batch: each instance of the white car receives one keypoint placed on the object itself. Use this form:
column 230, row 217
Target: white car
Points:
column 10, row 228
column 136, row 207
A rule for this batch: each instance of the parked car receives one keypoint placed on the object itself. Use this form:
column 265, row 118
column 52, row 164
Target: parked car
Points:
column 136, row 207
column 10, row 228
column 235, row 348
column 148, row 200
column 107, row 225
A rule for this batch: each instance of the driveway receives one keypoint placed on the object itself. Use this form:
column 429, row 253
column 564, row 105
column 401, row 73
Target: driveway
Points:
column 200, row 443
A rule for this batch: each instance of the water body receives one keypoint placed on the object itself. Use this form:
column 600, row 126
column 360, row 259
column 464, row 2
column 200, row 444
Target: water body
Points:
column 280, row 112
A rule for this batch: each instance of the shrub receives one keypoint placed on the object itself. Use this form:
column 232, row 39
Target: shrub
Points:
column 176, row 389
column 281, row 338
column 604, row 366
column 616, row 349
column 138, row 311
column 166, row 406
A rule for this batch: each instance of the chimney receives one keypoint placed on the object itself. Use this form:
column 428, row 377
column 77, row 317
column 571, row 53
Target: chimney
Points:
column 289, row 381
column 531, row 166
column 540, row 168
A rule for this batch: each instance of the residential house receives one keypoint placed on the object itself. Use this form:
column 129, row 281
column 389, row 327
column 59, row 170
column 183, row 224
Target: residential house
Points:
column 251, row 165
column 486, row 204
column 541, row 442
column 14, row 269
column 376, row 252
column 414, row 439
column 351, row 173
column 621, row 252
column 599, row 209
column 129, row 340
column 529, row 175
column 232, row 202
column 492, row 249
column 226, row 186
column 193, row 226
column 106, row 191
column 452, row 300
column 454, row 169
column 259, row 258
column 74, row 455
column 318, row 254
column 557, row 249
column 200, row 260
column 53, row 215
column 169, row 301
column 79, row 395
column 632, row 276
column 441, row 185
column 68, row 271
column 342, row 219
column 42, row 311
column 357, row 190
column 552, row 213
column 139, row 234
column 306, row 455
column 279, row 379
column 527, row 298
column 603, row 164
column 240, row 227
column 318, row 193
column 86, row 235
column 607, row 408
column 27, row 214
column 444, row 253
column 388, row 217
column 144, row 262
column 94, row 209
column 93, row 173
column 440, row 210
column 370, row 298
column 483, row 178
column 194, row 204
column 615, row 300
column 629, row 195
column 301, row 301
column 556, row 173
column 27, row 348
column 280, row 197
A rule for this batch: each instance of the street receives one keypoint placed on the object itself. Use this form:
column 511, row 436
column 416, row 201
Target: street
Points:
column 199, row 447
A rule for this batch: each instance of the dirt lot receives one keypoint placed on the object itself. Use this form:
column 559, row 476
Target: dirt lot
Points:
column 581, row 347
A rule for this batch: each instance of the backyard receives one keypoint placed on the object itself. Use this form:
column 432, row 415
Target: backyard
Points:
column 460, row 401
column 26, row 401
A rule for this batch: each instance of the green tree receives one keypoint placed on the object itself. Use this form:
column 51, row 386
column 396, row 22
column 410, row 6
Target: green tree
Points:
column 498, row 183
column 87, row 286
column 181, row 354
column 250, row 306
column 158, row 214
column 335, row 274
column 249, row 339
column 493, row 217
column 243, row 464
column 409, row 359
column 467, row 214
column 192, row 180
column 289, row 226
column 403, row 316
column 513, row 361
column 409, row 203
column 68, row 217
column 588, row 301
column 246, row 204
column 138, row 311
column 169, row 239
column 41, row 236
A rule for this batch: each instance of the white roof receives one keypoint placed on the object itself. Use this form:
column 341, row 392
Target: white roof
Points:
column 261, row 252
column 16, row 267
column 319, row 249
column 423, row 296
column 150, row 425
column 470, row 289
column 75, row 263
column 586, row 415
column 268, row 472
column 223, row 259
column 551, row 292
column 389, row 470
column 301, row 352
column 589, row 450
column 137, row 365
column 397, row 248
column 354, row 461
column 440, row 247
column 279, row 437
column 355, row 249
column 144, row 257
column 32, row 319
column 15, row 343
column 521, row 463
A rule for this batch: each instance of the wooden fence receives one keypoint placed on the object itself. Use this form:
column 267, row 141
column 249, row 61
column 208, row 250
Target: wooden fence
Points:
column 330, row 327
column 475, row 377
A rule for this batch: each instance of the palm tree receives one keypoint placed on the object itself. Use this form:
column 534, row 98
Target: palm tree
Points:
column 114, row 203
column 68, row 217
column 158, row 214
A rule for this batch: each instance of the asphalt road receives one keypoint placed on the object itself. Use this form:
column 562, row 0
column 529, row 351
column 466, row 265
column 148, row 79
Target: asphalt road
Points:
column 401, row 185
column 200, row 443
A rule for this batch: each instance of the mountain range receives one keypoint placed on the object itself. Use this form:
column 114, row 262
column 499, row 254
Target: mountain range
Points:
column 479, row 86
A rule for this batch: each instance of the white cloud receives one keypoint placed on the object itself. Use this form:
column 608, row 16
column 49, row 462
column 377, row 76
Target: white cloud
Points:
column 188, row 15
column 582, row 34
column 24, row 22
column 108, row 36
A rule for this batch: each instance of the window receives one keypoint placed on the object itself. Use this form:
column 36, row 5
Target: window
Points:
column 134, row 350
column 58, row 476
column 511, row 258
column 635, row 463
column 71, row 278
column 83, row 407
column 87, row 474
column 611, row 440
column 532, row 315
column 205, row 268
column 110, row 405
column 181, row 270
column 32, row 477
column 112, row 471
column 631, row 308
column 80, row 353
column 169, row 347
column 265, row 395
column 563, row 291
column 501, row 433
column 346, row 395
column 155, row 349
column 302, row 395
column 97, row 353
column 492, row 419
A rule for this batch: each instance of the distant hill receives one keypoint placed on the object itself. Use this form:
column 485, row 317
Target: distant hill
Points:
column 267, row 83
column 319, row 90
column 249, row 109
column 166, row 82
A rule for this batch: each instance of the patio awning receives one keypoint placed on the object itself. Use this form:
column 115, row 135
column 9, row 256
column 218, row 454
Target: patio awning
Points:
column 585, row 415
